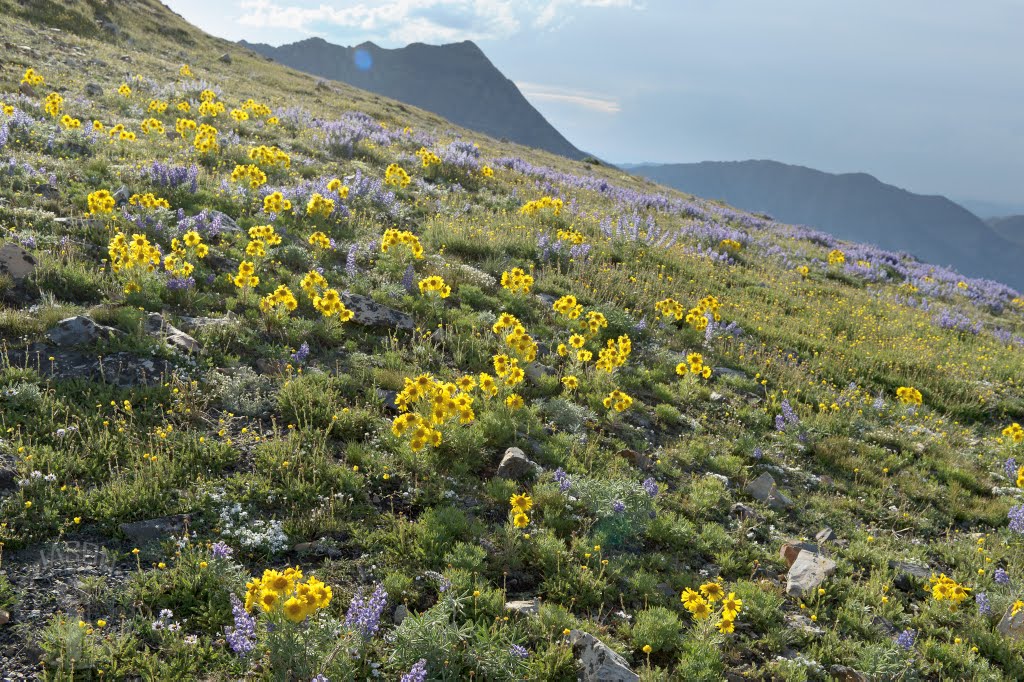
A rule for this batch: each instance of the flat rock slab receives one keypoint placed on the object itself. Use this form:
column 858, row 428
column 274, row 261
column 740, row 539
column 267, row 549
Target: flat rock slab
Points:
column 763, row 488
column 119, row 369
column 78, row 331
column 16, row 262
column 808, row 572
column 369, row 313
column 142, row 532
column 791, row 550
column 157, row 325
column 527, row 607
column 597, row 662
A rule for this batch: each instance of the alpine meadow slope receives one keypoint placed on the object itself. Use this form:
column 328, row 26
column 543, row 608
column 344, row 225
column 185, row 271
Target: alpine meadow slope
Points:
column 302, row 383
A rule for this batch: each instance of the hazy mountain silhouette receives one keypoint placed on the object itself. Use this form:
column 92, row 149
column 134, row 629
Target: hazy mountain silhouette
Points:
column 1009, row 227
column 456, row 81
column 857, row 207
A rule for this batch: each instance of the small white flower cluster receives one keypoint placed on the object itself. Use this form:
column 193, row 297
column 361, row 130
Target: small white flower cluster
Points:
column 35, row 477
column 252, row 533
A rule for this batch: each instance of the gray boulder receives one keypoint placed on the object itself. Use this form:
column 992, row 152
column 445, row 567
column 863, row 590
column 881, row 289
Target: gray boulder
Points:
column 16, row 262
column 79, row 330
column 808, row 572
column 597, row 662
column 93, row 90
column 516, row 466
column 369, row 313
column 763, row 488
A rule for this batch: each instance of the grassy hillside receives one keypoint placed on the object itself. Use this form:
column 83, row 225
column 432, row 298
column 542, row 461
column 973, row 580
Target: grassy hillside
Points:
column 305, row 335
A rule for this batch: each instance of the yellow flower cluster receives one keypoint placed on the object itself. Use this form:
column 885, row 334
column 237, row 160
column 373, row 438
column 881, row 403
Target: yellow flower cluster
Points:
column 422, row 434
column 517, row 339
column 211, row 108
column 836, row 257
column 148, row 200
column 32, row 78
column 276, row 203
column 286, row 592
column 101, row 201
column 487, row 172
column 568, row 307
column 507, row 369
column 281, row 299
column 256, row 109
column 70, row 123
column 697, row 316
column 270, row 156
column 517, row 280
column 694, row 365
column 175, row 262
column 151, row 125
column 120, row 133
column 319, row 205
column 428, row 158
column 338, row 188
column 570, row 382
column 394, row 237
column 436, row 284
column 329, row 303
column 699, row 604
column 183, row 126
column 184, row 107
column 250, row 172
column 520, row 503
column 185, row 71
column 804, row 271
column 136, row 253
column 246, row 276
column 53, row 103
column 730, row 245
column 158, row 106
column 206, row 139
column 614, row 354
column 909, row 395
column 618, row 401
column 944, row 588
column 396, row 175
column 669, row 306
column 595, row 322
column 240, row 115
column 320, row 240
column 207, row 96
column 533, row 207
column 571, row 236
column 1014, row 432
column 124, row 90
column 444, row 401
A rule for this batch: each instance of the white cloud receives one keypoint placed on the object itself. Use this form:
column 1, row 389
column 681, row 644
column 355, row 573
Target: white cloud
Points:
column 405, row 21
column 587, row 100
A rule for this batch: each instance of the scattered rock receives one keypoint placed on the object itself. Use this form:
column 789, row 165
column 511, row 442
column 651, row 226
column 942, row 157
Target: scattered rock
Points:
column 79, row 330
column 908, row 575
column 46, row 190
column 724, row 480
column 5, row 617
column 27, row 90
column 516, row 466
column 143, row 532
column 535, row 371
column 847, row 674
column 197, row 323
column 791, row 550
column 798, row 621
column 122, row 195
column 369, row 313
column 224, row 58
column 763, row 488
column 727, row 372
column 808, row 572
column 388, row 398
column 528, row 607
column 157, row 325
column 743, row 512
column 16, row 262
column 8, row 478
column 1010, row 625
column 93, row 90
column 716, row 397
column 597, row 662
column 637, row 459
column 825, row 535
column 400, row 614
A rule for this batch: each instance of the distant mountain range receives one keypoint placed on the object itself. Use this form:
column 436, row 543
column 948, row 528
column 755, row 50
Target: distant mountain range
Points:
column 456, row 81
column 858, row 207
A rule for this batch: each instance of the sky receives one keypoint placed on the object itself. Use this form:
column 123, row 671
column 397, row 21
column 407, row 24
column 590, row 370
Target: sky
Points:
column 923, row 94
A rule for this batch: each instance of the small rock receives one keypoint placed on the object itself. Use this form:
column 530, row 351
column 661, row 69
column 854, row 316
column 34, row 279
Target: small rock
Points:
column 763, row 488
column 122, row 195
column 716, row 397
column 78, row 330
column 808, row 572
column 400, row 614
column 142, row 532
column 847, row 674
column 196, row 323
column 93, row 90
column 527, row 607
column 724, row 480
column 16, row 262
column 367, row 312
column 798, row 621
column 26, row 90
column 1012, row 626
column 45, row 190
column 637, row 459
column 516, row 466
column 5, row 617
column 906, row 573
column 791, row 550
column 597, row 662
column 743, row 512
column 825, row 535
column 727, row 372
column 224, row 58
column 157, row 325
column 8, row 478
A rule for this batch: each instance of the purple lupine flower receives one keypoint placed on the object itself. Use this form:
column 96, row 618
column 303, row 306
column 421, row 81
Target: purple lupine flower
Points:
column 780, row 423
column 418, row 672
column 242, row 637
column 907, row 639
column 789, row 414
column 409, row 281
column 180, row 283
column 1011, row 468
column 1001, row 576
column 562, row 479
column 1016, row 517
column 301, row 354
column 619, row 507
column 220, row 550
column 363, row 614
column 981, row 599
column 758, row 453
column 350, row 261
column 443, row 584
column 651, row 486
column 518, row 651
column 641, row 325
